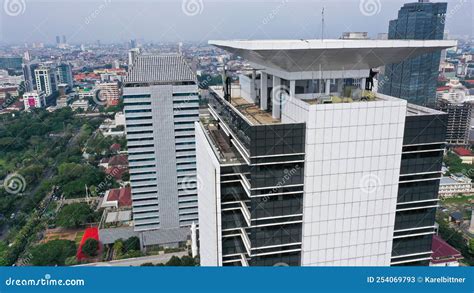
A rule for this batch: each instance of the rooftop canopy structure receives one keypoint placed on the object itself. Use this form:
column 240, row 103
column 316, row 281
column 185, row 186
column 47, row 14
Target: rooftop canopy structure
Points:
column 315, row 55
column 318, row 71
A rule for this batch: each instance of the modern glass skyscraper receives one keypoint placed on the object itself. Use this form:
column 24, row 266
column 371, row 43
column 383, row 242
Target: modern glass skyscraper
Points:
column 415, row 79
column 64, row 72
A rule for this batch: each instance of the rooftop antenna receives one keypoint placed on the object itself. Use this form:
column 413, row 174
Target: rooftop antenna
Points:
column 322, row 24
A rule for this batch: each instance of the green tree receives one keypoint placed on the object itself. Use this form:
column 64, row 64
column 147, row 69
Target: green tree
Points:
column 471, row 246
column 174, row 262
column 132, row 243
column 74, row 215
column 52, row 253
column 90, row 247
column 118, row 248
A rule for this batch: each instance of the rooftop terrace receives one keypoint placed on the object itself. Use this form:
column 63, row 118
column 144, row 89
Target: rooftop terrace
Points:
column 223, row 149
column 249, row 110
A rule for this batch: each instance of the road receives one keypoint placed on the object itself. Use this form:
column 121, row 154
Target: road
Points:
column 137, row 261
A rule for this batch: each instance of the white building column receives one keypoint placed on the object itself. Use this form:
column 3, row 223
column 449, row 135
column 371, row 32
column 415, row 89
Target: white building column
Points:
column 327, row 90
column 253, row 91
column 264, row 91
column 276, row 97
column 292, row 89
column 362, row 83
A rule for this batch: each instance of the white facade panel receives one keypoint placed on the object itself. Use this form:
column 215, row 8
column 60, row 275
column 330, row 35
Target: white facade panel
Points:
column 353, row 154
column 210, row 240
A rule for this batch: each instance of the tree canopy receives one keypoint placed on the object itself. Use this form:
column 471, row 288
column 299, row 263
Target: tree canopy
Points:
column 75, row 215
column 52, row 253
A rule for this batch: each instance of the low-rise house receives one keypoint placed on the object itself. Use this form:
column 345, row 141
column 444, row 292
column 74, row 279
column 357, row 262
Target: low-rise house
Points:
column 456, row 217
column 444, row 255
column 454, row 185
column 464, row 154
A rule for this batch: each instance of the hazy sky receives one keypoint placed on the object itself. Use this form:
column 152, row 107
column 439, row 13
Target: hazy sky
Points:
column 200, row 20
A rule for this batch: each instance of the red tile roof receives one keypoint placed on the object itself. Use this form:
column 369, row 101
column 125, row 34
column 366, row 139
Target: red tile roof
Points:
column 116, row 172
column 443, row 252
column 463, row 152
column 119, row 160
column 115, row 147
column 122, row 195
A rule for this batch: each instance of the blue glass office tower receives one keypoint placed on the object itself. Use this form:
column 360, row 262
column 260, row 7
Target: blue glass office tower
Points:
column 415, row 79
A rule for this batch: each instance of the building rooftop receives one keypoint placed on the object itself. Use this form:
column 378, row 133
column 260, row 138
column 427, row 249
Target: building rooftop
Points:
column 159, row 69
column 443, row 252
column 223, row 149
column 123, row 196
column 316, row 55
column 460, row 151
column 415, row 110
column 249, row 110
column 118, row 216
column 447, row 180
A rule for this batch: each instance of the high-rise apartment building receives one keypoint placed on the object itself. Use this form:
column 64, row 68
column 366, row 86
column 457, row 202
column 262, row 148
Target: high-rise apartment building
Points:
column 459, row 118
column 415, row 79
column 29, row 75
column 303, row 164
column 11, row 63
column 161, row 106
column 46, row 80
column 64, row 74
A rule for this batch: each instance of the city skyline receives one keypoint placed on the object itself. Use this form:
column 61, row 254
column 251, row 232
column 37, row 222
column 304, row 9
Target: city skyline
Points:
column 114, row 21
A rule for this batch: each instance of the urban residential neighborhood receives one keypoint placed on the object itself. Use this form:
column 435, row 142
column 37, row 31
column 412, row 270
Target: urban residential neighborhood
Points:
column 350, row 148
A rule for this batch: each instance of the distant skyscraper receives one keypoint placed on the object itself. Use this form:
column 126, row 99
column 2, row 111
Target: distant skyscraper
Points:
column 64, row 39
column 12, row 63
column 64, row 74
column 46, row 80
column 303, row 164
column 161, row 106
column 29, row 75
column 133, row 44
column 58, row 40
column 132, row 54
column 415, row 79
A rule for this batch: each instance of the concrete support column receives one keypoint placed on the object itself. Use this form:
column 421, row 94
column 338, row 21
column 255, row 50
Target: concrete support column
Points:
column 253, row 90
column 328, row 87
column 292, row 89
column 264, row 91
column 276, row 97
column 340, row 85
column 362, row 84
